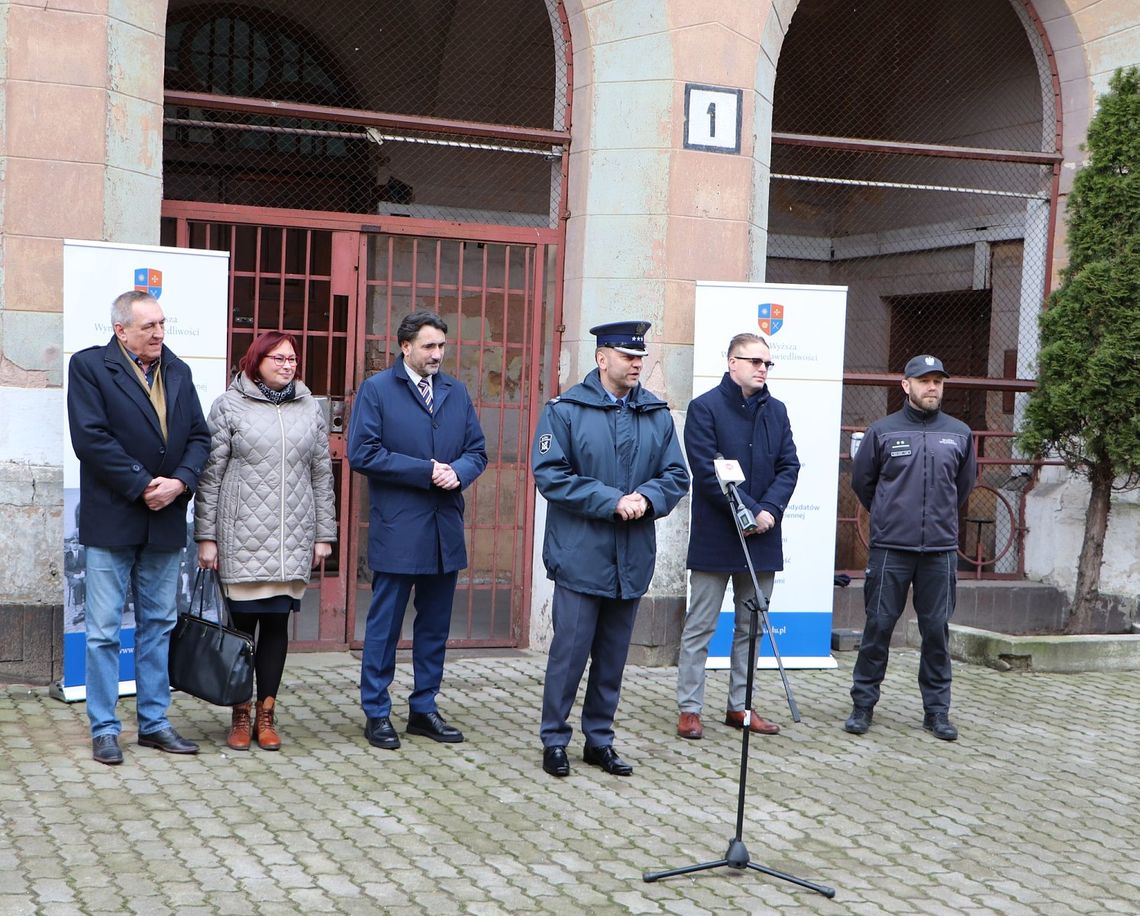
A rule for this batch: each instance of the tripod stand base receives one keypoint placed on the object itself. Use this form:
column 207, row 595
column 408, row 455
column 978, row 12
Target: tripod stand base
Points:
column 737, row 857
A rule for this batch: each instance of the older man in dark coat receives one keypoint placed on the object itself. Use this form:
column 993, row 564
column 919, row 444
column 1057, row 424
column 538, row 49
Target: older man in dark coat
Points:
column 738, row 419
column 141, row 439
column 415, row 436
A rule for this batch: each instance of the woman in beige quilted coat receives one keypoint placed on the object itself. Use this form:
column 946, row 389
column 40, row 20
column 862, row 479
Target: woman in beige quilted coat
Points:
column 263, row 513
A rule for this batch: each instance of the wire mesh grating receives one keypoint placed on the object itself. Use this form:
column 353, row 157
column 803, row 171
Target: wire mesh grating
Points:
column 914, row 159
column 468, row 62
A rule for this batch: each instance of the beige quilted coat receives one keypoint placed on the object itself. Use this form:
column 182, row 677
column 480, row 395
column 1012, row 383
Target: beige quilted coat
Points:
column 267, row 491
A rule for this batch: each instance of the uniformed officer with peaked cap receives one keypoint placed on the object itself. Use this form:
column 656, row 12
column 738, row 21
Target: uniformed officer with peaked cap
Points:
column 623, row 336
column 607, row 460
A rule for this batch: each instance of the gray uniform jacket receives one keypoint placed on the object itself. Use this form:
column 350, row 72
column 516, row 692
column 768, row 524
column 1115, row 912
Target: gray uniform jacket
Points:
column 267, row 491
column 913, row 471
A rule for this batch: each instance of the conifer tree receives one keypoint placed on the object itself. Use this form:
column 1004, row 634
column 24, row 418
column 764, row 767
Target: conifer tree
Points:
column 1086, row 408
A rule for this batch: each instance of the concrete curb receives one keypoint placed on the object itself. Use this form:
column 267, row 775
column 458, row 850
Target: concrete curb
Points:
column 1059, row 654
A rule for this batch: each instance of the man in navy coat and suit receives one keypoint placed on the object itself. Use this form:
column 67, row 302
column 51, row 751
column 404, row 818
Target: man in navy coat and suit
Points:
column 141, row 439
column 415, row 436
column 738, row 419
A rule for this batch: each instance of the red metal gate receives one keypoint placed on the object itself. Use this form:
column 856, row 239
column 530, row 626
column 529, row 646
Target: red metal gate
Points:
column 341, row 283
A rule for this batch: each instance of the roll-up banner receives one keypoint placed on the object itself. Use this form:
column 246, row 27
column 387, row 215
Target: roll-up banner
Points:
column 192, row 287
column 804, row 327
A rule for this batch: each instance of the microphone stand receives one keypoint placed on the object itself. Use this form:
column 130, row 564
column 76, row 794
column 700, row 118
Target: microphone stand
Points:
column 759, row 605
column 737, row 854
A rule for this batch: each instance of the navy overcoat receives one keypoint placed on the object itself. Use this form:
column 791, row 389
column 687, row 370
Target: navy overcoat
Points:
column 414, row 527
column 117, row 438
column 756, row 433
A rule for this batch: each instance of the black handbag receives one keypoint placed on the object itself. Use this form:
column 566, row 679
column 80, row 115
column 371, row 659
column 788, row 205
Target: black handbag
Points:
column 208, row 659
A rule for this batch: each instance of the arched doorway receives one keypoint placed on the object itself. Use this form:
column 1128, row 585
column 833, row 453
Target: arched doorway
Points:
column 359, row 161
column 915, row 159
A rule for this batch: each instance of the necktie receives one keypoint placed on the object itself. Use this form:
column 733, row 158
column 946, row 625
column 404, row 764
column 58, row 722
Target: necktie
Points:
column 425, row 390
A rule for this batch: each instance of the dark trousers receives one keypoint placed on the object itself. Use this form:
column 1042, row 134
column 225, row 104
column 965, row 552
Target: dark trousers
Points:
column 890, row 573
column 271, row 633
column 434, row 595
column 586, row 627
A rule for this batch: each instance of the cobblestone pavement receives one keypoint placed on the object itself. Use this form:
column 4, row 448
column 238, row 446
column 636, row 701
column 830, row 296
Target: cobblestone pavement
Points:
column 1033, row 810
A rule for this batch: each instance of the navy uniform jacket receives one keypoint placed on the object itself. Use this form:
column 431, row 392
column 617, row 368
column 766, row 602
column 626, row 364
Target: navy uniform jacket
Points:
column 414, row 528
column 756, row 433
column 913, row 472
column 116, row 436
column 582, row 470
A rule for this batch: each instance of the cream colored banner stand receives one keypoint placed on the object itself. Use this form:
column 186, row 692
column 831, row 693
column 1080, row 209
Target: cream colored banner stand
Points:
column 804, row 327
column 193, row 287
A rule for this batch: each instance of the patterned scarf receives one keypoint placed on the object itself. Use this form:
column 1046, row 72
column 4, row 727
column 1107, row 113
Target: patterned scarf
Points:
column 278, row 397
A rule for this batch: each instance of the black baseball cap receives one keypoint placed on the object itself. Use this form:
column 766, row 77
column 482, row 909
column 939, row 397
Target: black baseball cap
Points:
column 924, row 365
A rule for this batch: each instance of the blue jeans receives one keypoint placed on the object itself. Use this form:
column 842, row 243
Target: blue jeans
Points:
column 151, row 576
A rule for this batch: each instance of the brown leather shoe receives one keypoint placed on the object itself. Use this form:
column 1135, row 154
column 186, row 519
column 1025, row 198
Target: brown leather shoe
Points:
column 267, row 737
column 238, row 737
column 757, row 724
column 689, row 725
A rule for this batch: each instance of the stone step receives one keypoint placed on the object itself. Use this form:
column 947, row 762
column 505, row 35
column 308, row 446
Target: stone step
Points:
column 1041, row 653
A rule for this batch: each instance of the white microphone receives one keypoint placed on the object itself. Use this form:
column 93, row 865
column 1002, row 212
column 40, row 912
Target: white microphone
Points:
column 728, row 475
column 728, row 471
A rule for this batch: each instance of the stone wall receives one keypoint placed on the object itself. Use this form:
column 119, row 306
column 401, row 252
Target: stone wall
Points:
column 1055, row 516
column 31, row 574
column 1003, row 606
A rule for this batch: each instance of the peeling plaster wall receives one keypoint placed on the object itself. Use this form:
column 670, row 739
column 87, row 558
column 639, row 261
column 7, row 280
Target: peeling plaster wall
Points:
column 1055, row 515
column 649, row 218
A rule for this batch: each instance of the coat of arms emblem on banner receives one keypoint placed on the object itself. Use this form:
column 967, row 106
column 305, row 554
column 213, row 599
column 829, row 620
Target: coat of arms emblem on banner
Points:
column 148, row 280
column 770, row 317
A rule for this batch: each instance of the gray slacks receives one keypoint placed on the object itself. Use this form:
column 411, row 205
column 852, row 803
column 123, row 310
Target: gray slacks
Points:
column 586, row 627
column 706, row 595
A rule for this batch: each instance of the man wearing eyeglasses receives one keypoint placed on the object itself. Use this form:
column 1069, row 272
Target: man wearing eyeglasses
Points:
column 738, row 419
column 913, row 472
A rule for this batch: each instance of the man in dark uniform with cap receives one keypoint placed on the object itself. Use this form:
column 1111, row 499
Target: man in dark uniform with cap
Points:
column 912, row 472
column 607, row 460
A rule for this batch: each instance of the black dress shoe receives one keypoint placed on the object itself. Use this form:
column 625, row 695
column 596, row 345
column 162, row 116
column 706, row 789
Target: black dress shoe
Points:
column 940, row 725
column 168, row 740
column 105, row 749
column 606, row 758
column 431, row 725
column 555, row 761
column 380, row 733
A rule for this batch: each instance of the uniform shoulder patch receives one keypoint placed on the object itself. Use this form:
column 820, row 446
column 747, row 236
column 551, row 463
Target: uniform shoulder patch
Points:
column 544, row 443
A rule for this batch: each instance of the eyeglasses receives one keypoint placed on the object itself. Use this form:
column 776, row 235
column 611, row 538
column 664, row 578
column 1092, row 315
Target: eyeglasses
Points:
column 282, row 360
column 756, row 361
